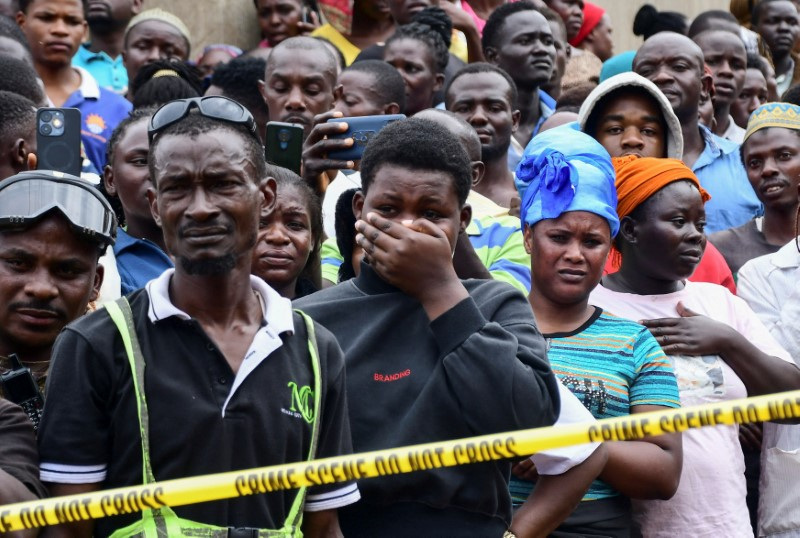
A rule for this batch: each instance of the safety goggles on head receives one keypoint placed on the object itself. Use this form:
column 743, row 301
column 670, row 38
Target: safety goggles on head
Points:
column 213, row 106
column 27, row 196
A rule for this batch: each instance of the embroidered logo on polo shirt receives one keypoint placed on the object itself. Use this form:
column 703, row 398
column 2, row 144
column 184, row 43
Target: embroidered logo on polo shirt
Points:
column 302, row 402
column 95, row 123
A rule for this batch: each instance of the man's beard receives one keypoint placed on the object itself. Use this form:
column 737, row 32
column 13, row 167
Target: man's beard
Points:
column 492, row 152
column 209, row 266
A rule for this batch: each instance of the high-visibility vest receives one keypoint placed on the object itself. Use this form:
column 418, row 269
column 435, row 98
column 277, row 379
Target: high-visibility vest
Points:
column 164, row 522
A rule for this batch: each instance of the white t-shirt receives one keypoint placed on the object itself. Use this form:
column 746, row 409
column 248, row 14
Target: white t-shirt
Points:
column 710, row 501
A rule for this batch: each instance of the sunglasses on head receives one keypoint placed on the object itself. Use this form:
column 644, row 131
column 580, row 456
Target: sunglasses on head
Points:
column 213, row 106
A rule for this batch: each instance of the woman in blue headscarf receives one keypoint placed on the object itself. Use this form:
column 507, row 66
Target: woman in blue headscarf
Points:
column 614, row 366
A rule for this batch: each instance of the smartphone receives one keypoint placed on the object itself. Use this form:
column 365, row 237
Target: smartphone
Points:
column 58, row 137
column 284, row 145
column 361, row 130
column 20, row 387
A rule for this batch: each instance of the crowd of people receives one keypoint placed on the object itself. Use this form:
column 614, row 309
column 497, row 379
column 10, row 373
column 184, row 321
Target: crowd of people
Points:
column 553, row 234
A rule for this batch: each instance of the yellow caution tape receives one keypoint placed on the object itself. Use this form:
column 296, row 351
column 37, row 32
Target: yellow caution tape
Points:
column 392, row 461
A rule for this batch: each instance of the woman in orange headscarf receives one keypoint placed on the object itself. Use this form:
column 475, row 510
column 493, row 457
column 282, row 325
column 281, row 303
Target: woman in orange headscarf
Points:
column 718, row 347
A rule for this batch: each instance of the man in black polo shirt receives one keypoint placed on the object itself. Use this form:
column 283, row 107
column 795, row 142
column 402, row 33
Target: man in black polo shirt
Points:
column 223, row 350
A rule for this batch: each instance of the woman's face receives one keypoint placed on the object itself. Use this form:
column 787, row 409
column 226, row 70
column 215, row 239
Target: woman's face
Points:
column 668, row 239
column 127, row 176
column 414, row 61
column 567, row 255
column 285, row 242
column 278, row 19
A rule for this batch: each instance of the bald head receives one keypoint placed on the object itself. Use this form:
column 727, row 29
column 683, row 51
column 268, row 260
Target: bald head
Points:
column 464, row 131
column 664, row 43
column 674, row 63
column 299, row 47
column 299, row 81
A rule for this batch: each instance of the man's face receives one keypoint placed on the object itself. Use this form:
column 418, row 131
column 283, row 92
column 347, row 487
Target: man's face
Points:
column 278, row 19
column 106, row 15
column 630, row 123
column 207, row 200
column 726, row 57
column 484, row 101
column 403, row 194
column 772, row 159
column 358, row 97
column 298, row 85
column 47, row 277
column 150, row 41
column 673, row 63
column 55, row 29
column 754, row 94
column 778, row 25
column 526, row 50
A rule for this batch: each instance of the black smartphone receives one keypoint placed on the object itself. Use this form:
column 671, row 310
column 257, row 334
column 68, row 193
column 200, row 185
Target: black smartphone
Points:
column 58, row 137
column 361, row 130
column 20, row 387
column 284, row 145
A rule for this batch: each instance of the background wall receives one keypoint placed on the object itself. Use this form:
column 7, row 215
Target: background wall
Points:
column 234, row 21
column 622, row 13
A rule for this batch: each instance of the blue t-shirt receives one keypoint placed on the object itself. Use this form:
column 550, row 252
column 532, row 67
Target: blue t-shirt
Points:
column 110, row 73
column 720, row 171
column 610, row 364
column 101, row 111
column 138, row 261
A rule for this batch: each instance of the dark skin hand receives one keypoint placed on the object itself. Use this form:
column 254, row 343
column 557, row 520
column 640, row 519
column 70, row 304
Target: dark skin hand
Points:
column 694, row 334
column 466, row 261
column 394, row 250
column 657, row 458
column 553, row 498
column 317, row 146
column 750, row 435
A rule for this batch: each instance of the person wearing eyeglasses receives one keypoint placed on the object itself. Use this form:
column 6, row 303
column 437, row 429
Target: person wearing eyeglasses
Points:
column 221, row 374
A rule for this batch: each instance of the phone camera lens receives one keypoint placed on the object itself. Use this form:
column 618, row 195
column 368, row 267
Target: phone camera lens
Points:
column 46, row 129
column 46, row 116
column 284, row 135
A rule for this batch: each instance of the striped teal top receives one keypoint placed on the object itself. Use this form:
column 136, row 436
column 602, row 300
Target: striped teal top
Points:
column 610, row 364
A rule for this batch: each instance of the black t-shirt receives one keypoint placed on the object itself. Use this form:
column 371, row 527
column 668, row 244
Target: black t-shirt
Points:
column 90, row 419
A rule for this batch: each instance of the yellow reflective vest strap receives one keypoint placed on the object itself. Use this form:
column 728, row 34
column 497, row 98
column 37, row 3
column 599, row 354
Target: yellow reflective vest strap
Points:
column 163, row 522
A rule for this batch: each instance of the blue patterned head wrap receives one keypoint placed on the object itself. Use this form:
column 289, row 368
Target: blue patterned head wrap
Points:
column 564, row 170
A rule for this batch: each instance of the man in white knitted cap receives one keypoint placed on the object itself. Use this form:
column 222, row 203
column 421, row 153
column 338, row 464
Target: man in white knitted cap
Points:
column 153, row 35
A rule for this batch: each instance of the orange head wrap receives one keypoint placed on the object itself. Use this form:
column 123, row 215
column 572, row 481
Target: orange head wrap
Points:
column 640, row 178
